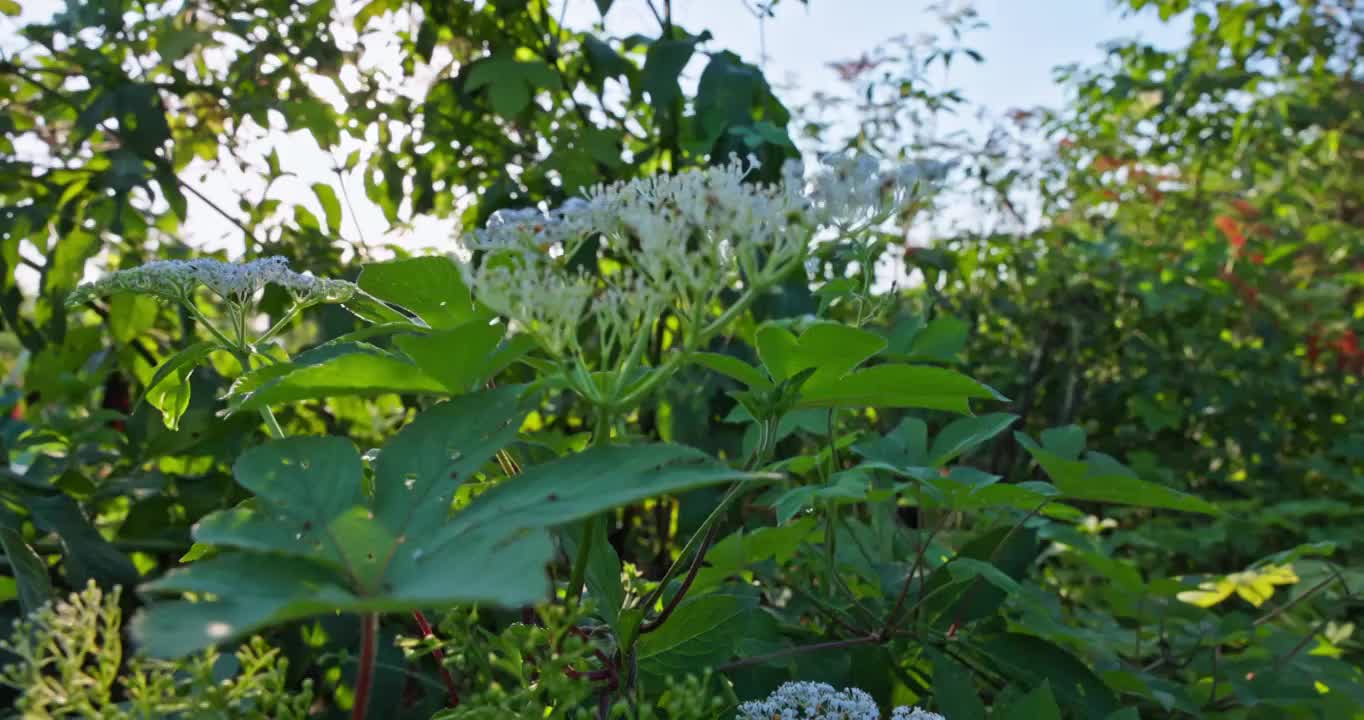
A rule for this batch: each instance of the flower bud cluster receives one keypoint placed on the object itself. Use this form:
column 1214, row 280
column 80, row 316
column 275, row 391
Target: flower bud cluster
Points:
column 820, row 701
column 682, row 240
column 176, row 281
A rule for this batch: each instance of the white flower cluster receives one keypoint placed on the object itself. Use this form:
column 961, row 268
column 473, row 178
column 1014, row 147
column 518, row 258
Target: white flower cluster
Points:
column 176, row 280
column 674, row 241
column 820, row 701
column 852, row 192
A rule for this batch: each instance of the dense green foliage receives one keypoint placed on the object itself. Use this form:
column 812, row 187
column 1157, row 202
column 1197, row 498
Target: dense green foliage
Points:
column 656, row 454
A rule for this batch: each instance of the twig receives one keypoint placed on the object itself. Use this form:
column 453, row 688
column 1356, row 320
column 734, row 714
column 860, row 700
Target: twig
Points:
column 439, row 656
column 961, row 606
column 649, row 626
column 909, row 579
column 800, row 650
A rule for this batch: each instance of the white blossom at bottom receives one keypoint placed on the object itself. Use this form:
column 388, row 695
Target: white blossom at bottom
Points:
column 820, row 701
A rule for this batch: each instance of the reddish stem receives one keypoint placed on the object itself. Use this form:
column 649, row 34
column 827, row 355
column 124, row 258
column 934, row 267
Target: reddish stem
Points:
column 436, row 653
column 364, row 675
column 649, row 626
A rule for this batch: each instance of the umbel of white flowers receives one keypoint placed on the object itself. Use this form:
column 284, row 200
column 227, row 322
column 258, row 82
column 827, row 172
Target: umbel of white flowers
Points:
column 176, row 281
column 820, row 701
column 676, row 241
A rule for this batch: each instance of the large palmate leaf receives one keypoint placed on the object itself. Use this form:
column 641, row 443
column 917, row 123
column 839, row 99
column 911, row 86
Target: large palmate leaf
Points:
column 340, row 549
column 831, row 348
column 310, row 508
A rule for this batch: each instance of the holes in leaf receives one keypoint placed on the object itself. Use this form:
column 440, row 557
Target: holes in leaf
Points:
column 410, row 480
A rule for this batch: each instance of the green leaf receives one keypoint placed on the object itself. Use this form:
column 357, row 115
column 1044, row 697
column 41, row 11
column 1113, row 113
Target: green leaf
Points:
column 832, row 349
column 171, row 396
column 363, row 371
column 304, row 484
column 603, row 62
column 1009, row 552
column 433, row 288
column 603, row 569
column 88, row 556
column 312, row 543
column 966, row 433
column 941, row 340
column 733, row 367
column 466, row 356
column 254, row 590
column 1099, row 478
column 331, row 206
column 901, row 386
column 663, row 64
column 1067, row 442
column 967, row 568
column 169, row 388
column 190, row 356
column 29, row 571
column 702, row 632
column 418, row 471
column 10, row 8
column 1035, row 662
column 604, row 6
column 954, row 691
column 510, row 82
column 904, row 447
column 579, row 486
column 130, row 315
column 372, row 309
column 1036, row 705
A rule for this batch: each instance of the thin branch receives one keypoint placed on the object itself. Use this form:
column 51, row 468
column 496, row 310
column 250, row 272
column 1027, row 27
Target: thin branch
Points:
column 161, row 163
column 649, row 626
column 800, row 650
column 909, row 579
column 439, row 655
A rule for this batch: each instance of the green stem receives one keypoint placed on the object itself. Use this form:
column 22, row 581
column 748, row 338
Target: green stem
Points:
column 266, row 414
column 199, row 317
column 283, row 323
column 601, row 435
column 271, row 424
column 695, row 540
column 660, row 374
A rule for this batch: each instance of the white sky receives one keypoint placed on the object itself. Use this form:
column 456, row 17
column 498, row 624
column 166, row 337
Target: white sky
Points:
column 1025, row 40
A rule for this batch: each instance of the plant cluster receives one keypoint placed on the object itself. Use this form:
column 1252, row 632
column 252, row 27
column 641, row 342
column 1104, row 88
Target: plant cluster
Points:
column 677, row 426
